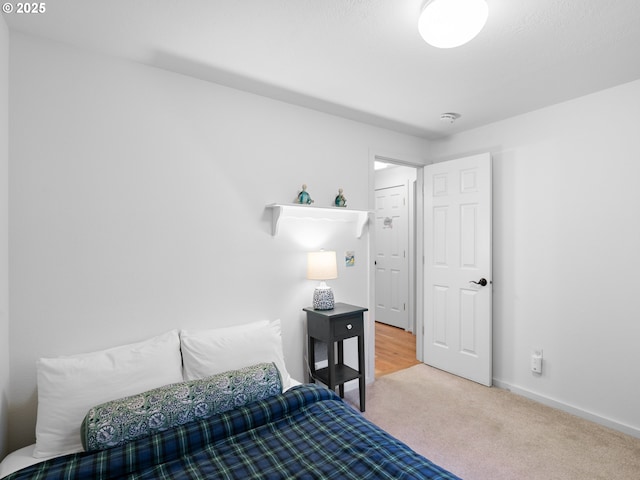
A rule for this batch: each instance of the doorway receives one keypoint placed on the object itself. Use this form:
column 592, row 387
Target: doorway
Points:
column 469, row 326
column 396, row 197
column 395, row 349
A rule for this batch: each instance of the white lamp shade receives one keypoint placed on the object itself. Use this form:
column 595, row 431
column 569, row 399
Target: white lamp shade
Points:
column 451, row 23
column 322, row 265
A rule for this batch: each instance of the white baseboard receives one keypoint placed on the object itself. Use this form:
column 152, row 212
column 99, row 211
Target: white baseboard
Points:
column 578, row 412
column 322, row 364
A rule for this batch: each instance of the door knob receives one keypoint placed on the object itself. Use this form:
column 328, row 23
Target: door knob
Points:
column 482, row 282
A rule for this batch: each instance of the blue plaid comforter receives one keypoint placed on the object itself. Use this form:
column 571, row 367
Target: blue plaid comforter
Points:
column 305, row 433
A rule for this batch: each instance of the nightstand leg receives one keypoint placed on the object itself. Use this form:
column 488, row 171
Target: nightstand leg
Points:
column 332, row 366
column 341, row 362
column 311, row 352
column 362, row 382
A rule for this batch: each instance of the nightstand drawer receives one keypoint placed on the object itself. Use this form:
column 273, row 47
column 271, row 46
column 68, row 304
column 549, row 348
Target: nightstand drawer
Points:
column 347, row 327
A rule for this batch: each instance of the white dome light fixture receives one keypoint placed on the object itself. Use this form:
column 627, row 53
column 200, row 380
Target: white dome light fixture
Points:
column 451, row 23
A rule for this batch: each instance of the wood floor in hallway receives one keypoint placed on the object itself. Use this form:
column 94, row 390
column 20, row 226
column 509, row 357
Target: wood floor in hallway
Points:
column 395, row 349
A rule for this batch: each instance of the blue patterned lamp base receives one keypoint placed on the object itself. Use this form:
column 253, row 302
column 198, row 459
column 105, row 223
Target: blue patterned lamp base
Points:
column 323, row 299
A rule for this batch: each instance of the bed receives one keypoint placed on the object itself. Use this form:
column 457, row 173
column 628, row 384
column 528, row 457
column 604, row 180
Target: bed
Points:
column 251, row 422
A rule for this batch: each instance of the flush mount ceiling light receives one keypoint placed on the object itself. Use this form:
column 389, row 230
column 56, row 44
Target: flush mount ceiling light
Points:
column 451, row 23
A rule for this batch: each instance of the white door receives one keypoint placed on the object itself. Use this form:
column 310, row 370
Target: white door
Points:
column 458, row 320
column 392, row 244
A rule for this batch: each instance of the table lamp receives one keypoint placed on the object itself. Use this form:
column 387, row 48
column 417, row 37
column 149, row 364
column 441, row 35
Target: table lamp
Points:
column 322, row 266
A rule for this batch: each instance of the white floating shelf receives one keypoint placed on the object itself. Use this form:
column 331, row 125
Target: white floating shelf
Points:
column 309, row 212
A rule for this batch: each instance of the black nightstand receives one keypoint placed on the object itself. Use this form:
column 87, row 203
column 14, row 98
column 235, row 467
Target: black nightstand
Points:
column 331, row 326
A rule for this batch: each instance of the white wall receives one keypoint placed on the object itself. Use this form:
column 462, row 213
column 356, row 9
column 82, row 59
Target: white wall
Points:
column 137, row 205
column 4, row 234
column 566, row 251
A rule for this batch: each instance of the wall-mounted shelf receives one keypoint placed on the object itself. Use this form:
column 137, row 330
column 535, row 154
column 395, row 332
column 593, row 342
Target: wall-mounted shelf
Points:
column 309, row 212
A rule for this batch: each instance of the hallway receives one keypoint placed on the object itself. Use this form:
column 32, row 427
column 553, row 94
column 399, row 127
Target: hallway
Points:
column 395, row 349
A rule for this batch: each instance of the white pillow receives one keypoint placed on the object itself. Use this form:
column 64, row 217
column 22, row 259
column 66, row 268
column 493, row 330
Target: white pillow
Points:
column 69, row 386
column 209, row 352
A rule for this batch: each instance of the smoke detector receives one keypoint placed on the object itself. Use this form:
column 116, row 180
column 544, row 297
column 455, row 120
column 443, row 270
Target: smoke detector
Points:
column 449, row 117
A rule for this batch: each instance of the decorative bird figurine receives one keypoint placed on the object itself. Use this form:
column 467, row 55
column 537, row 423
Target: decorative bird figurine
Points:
column 304, row 197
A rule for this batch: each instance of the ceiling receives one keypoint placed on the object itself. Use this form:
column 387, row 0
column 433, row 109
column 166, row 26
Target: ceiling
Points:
column 364, row 59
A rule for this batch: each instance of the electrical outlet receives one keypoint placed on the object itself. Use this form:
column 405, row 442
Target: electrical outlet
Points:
column 536, row 360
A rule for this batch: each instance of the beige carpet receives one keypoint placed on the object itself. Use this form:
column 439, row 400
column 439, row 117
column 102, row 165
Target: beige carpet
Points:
column 482, row 433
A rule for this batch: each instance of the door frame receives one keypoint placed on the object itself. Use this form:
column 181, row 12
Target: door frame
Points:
column 418, row 290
